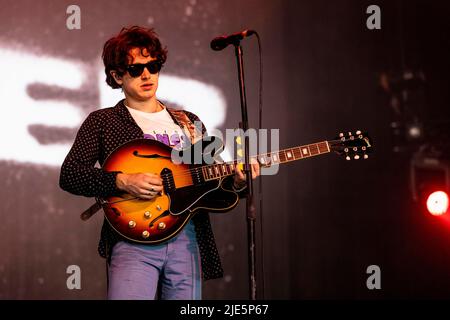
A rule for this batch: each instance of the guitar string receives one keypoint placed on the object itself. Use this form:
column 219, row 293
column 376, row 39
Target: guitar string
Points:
column 188, row 172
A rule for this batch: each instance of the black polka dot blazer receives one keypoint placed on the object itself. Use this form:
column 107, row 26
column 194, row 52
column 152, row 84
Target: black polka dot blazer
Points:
column 102, row 132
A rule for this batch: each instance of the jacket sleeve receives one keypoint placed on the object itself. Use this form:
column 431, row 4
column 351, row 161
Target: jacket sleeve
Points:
column 78, row 174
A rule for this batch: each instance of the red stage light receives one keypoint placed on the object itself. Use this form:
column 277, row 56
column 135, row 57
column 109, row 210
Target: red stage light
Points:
column 437, row 203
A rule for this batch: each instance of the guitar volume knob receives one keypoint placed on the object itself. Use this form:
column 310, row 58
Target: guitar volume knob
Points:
column 145, row 234
column 147, row 214
column 132, row 224
column 161, row 226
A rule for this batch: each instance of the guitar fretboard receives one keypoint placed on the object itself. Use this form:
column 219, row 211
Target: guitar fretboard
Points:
column 219, row 170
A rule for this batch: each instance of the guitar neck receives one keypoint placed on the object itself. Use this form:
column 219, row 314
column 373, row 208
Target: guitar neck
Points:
column 220, row 170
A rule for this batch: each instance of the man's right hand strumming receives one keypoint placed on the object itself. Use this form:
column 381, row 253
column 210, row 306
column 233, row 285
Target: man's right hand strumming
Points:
column 142, row 185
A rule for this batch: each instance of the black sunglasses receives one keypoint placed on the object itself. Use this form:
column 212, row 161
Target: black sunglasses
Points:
column 135, row 70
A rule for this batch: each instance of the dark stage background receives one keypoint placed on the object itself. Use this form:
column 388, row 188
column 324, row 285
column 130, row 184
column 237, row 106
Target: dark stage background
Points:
column 324, row 220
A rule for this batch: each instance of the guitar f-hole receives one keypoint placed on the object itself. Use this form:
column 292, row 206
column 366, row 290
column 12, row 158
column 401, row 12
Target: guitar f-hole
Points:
column 164, row 214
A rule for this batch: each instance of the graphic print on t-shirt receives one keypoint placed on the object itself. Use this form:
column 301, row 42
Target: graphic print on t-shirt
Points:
column 173, row 140
column 161, row 127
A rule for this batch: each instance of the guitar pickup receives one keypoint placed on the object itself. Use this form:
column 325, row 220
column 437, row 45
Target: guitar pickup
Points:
column 168, row 180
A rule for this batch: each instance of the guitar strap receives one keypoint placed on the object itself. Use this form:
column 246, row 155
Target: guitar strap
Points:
column 91, row 210
column 190, row 130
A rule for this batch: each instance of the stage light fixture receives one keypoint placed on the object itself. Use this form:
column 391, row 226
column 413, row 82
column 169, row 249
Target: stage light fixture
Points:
column 430, row 182
column 437, row 203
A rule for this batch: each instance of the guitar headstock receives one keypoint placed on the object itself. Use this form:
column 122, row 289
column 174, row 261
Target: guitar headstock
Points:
column 352, row 146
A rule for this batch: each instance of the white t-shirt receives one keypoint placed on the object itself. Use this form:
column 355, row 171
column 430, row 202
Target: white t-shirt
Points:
column 161, row 127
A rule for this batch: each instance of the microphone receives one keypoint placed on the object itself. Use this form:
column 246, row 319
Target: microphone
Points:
column 222, row 42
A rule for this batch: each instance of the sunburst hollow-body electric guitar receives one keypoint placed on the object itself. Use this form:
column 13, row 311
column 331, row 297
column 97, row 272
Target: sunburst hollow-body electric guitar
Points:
column 189, row 188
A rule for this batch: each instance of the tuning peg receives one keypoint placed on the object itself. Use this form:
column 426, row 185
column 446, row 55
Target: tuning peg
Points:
column 341, row 135
column 358, row 132
column 346, row 150
column 349, row 133
column 356, row 157
column 366, row 156
column 347, row 158
column 355, row 148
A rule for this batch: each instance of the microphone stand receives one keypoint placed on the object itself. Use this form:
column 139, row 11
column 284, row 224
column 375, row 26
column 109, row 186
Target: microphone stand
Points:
column 250, row 206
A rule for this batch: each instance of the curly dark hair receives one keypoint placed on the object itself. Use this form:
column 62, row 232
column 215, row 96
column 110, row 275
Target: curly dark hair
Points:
column 116, row 51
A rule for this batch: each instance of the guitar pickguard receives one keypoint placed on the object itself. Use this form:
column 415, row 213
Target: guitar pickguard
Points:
column 208, row 196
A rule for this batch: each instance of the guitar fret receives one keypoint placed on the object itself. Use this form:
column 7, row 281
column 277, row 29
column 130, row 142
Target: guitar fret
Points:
column 219, row 170
column 314, row 150
column 305, row 151
column 297, row 153
column 262, row 160
column 282, row 156
column 323, row 147
column 289, row 154
column 203, row 173
column 275, row 158
column 265, row 160
column 224, row 169
column 216, row 171
column 210, row 172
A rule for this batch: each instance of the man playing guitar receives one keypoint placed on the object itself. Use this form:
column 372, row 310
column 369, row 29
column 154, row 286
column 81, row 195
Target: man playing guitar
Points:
column 133, row 60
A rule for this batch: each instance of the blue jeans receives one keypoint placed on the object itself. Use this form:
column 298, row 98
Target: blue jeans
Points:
column 136, row 269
